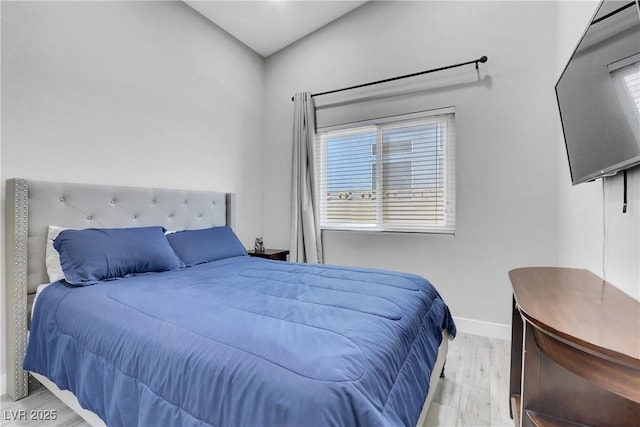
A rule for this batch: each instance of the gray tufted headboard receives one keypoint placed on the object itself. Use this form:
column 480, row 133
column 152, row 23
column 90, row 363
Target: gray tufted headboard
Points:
column 31, row 206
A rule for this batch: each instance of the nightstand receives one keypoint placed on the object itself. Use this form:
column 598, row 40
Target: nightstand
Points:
column 275, row 254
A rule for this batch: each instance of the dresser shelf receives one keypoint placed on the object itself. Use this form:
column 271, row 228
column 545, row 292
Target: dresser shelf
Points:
column 575, row 350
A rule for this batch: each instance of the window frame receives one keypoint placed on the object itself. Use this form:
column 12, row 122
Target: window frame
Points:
column 441, row 115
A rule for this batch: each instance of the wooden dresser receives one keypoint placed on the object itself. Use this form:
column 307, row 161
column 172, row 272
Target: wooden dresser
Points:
column 575, row 350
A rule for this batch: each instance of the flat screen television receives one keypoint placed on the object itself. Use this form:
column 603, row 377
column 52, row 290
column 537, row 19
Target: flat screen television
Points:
column 599, row 94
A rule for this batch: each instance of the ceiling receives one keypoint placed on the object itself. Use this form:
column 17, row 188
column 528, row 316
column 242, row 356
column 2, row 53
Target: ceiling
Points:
column 269, row 25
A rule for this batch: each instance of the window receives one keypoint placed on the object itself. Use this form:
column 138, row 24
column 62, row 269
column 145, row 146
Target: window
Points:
column 392, row 174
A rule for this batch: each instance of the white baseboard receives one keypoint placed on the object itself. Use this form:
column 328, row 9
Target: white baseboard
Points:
column 479, row 327
column 3, row 384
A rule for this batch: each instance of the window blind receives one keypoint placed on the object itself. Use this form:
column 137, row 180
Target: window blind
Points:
column 390, row 174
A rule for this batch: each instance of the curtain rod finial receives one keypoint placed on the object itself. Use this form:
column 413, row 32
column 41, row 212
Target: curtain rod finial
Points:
column 482, row 59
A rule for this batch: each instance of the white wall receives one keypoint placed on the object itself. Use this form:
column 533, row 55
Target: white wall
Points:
column 507, row 162
column 130, row 93
column 583, row 215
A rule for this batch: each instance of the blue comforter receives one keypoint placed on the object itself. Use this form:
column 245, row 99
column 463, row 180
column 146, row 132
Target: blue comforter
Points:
column 244, row 342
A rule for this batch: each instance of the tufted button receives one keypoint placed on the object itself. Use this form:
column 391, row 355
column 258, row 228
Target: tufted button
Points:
column 113, row 201
column 62, row 199
column 171, row 215
column 199, row 215
column 213, row 203
column 89, row 217
column 186, row 202
column 134, row 217
column 153, row 202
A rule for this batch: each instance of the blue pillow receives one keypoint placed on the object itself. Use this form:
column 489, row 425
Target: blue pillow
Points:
column 206, row 245
column 93, row 255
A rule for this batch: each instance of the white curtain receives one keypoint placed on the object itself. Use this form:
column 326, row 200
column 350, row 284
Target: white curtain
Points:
column 306, row 241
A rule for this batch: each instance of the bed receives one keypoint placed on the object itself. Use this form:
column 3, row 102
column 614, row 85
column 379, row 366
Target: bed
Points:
column 232, row 340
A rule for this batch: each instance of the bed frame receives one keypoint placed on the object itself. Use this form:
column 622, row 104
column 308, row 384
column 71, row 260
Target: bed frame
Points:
column 31, row 206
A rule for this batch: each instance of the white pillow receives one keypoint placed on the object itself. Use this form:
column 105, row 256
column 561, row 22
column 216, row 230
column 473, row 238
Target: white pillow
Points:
column 51, row 256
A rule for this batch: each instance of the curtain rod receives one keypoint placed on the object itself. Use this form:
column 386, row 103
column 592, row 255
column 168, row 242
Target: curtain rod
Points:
column 482, row 59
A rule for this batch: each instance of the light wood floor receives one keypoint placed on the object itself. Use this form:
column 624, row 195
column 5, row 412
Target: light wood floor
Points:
column 474, row 392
